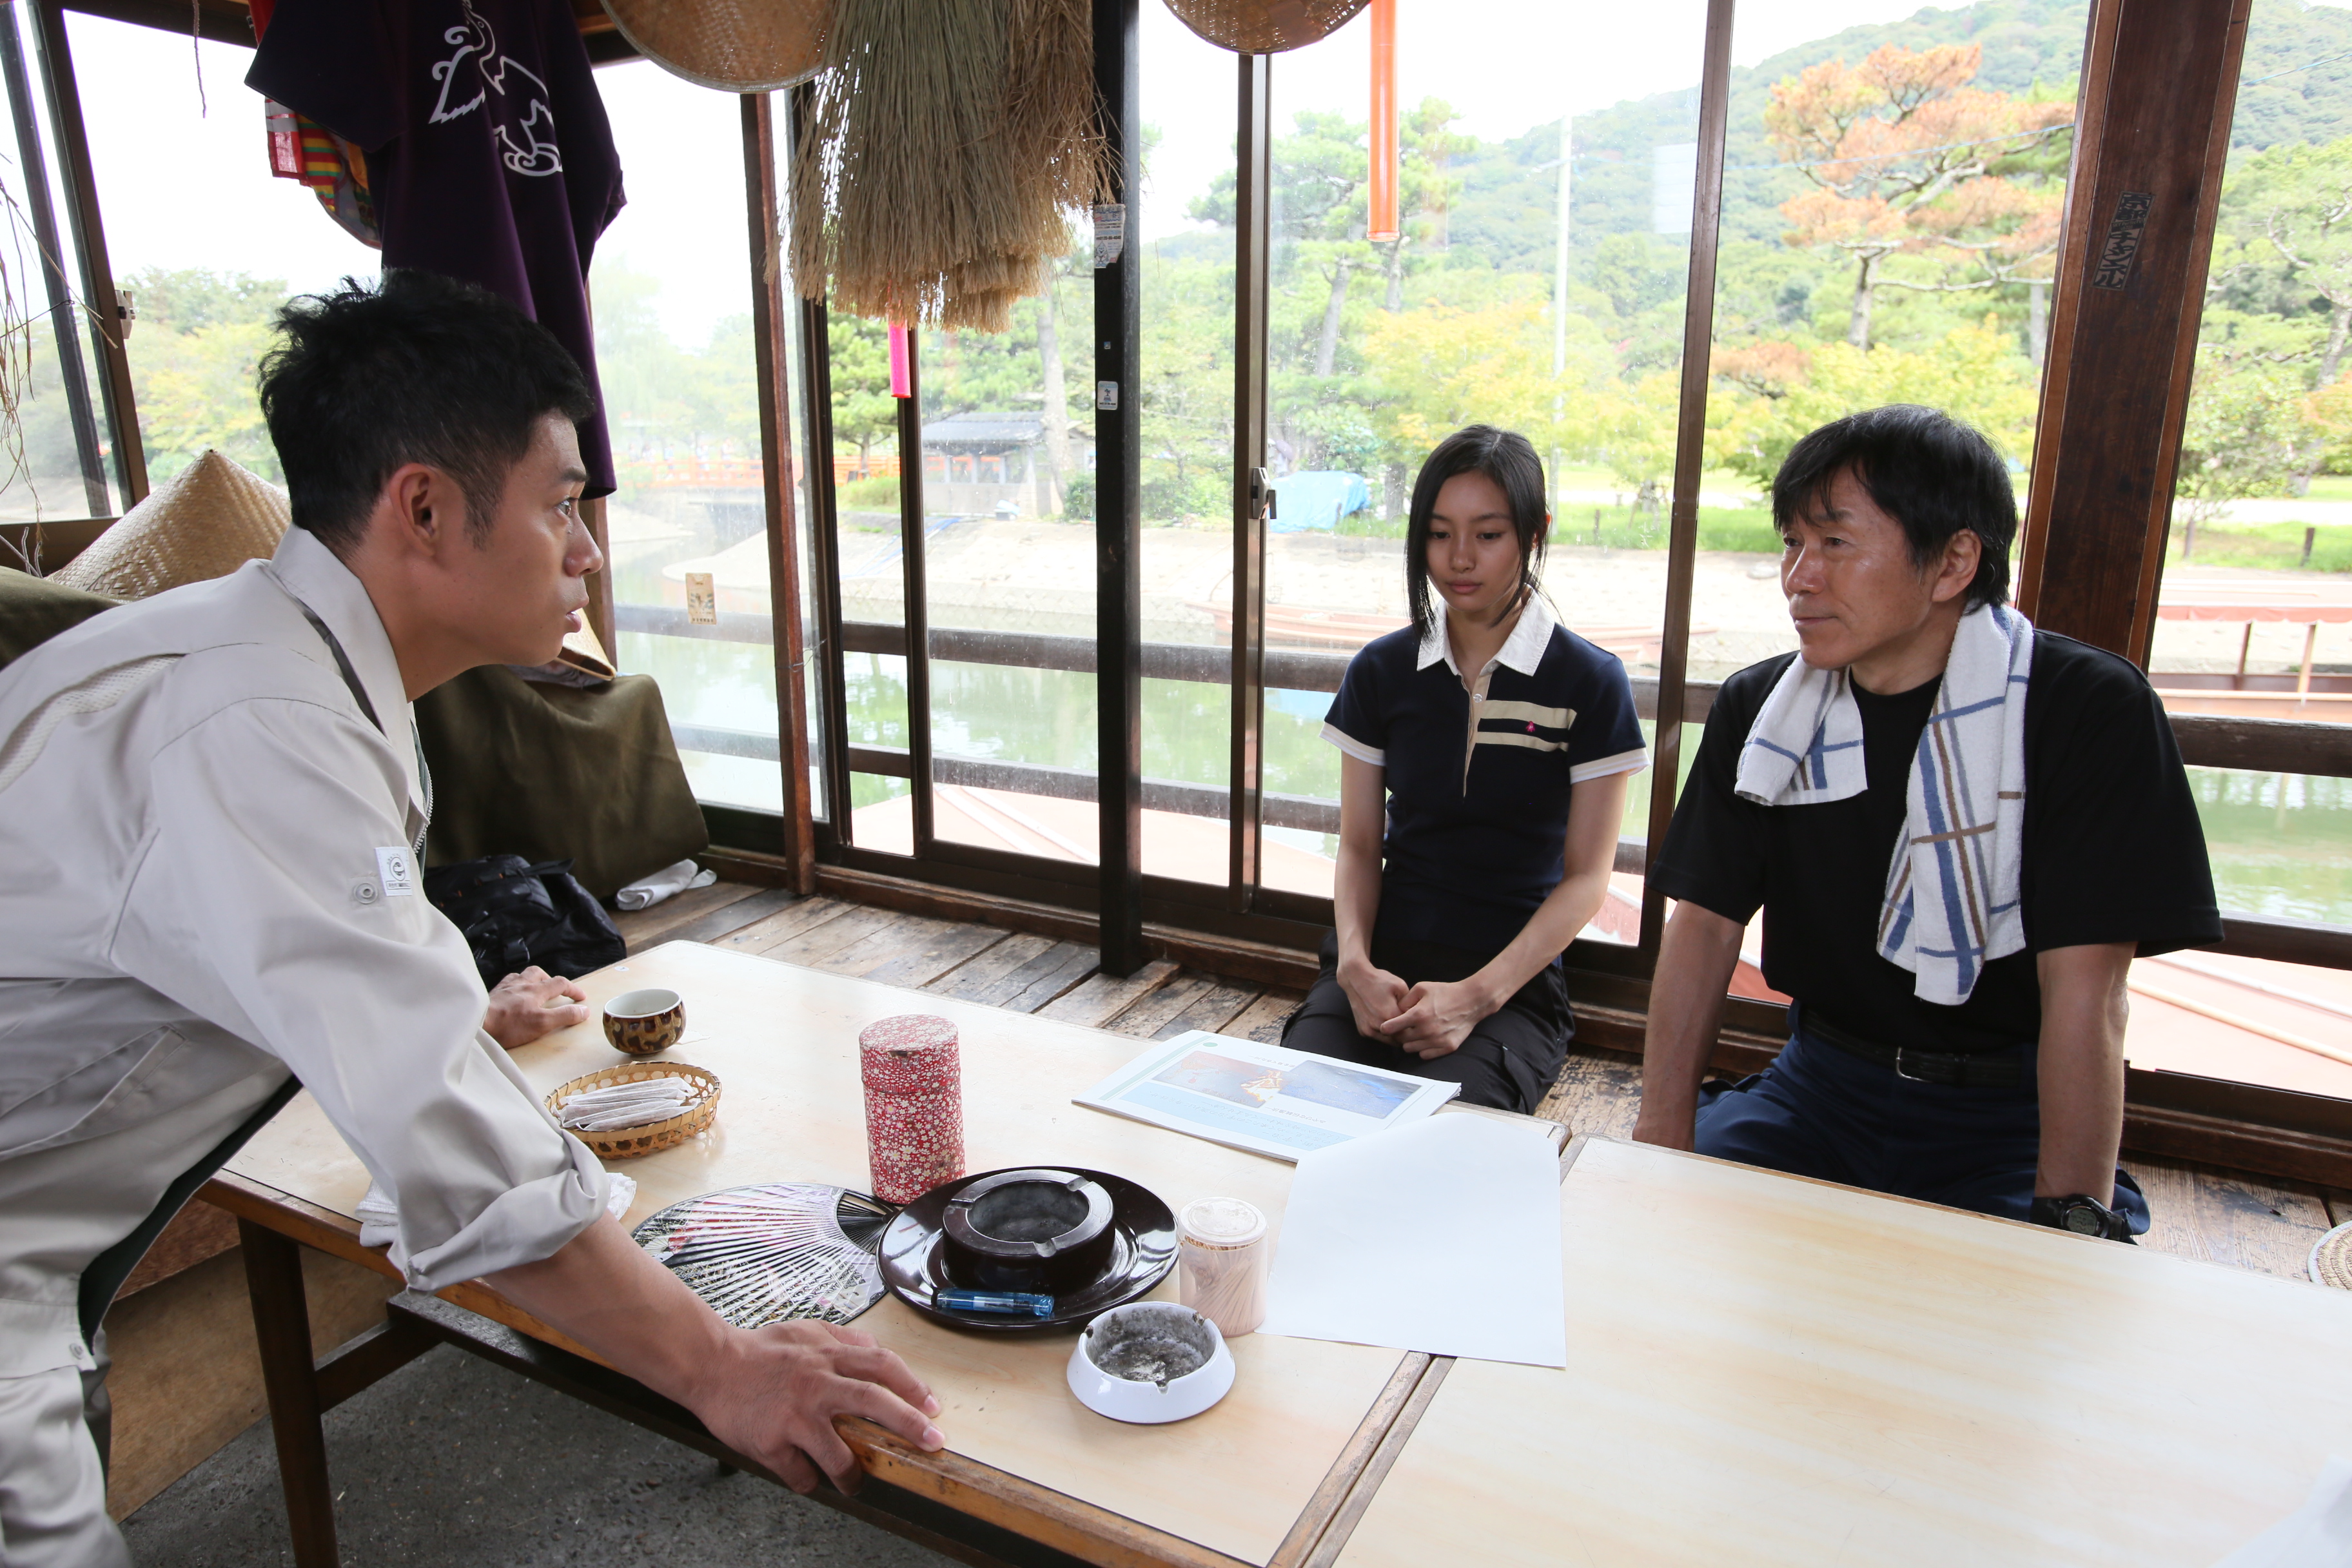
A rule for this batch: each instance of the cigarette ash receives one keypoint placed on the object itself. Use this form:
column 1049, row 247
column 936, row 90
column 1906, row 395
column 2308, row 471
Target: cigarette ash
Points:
column 1152, row 1347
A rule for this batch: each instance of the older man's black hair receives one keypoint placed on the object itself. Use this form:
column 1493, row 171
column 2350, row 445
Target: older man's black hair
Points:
column 1928, row 471
column 418, row 369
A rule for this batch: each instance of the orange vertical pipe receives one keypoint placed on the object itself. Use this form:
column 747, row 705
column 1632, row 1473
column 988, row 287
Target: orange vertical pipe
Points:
column 1384, row 224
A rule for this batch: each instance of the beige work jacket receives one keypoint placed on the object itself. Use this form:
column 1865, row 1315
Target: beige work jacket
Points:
column 206, row 880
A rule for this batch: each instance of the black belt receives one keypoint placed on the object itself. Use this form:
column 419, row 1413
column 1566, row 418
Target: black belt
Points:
column 1952, row 1069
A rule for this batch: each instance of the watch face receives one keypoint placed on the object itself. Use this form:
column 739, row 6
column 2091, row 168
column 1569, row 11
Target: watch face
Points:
column 2082, row 1220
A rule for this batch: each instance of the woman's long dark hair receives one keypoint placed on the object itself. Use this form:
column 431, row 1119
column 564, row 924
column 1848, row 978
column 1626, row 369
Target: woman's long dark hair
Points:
column 1509, row 459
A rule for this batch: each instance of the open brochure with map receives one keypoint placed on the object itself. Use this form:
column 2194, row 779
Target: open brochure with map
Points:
column 1262, row 1098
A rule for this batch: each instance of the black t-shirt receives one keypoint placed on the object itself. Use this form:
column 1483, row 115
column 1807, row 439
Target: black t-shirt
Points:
column 1478, row 807
column 2113, row 849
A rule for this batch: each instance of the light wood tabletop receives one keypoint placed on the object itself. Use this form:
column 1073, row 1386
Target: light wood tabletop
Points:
column 1764, row 1369
column 1267, row 1465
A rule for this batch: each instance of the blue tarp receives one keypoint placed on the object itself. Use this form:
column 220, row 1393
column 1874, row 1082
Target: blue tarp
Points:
column 1317, row 501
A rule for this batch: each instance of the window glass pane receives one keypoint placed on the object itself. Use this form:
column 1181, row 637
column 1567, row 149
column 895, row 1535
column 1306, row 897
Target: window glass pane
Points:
column 2254, row 619
column 671, row 289
column 1489, row 308
column 1186, row 247
column 1821, row 309
column 1007, row 484
column 2256, row 599
column 205, row 239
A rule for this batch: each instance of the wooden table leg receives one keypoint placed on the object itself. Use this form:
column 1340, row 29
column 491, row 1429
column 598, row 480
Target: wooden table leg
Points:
column 281, row 1320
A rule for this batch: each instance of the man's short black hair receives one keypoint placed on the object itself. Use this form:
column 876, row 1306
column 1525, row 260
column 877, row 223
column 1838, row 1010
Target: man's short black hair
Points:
column 1509, row 459
column 1928, row 471
column 418, row 369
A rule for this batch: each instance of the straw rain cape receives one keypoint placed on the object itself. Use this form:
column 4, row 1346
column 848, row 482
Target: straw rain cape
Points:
column 1951, row 899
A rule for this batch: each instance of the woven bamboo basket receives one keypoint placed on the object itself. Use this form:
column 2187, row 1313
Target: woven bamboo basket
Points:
column 2331, row 1258
column 653, row 1137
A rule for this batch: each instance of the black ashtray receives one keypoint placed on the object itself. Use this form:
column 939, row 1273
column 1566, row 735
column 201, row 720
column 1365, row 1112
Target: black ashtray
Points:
column 1040, row 1230
column 1121, row 1259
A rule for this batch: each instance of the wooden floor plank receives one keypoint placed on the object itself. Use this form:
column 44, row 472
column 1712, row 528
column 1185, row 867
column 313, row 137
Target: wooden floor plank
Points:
column 1100, row 997
column 1143, row 1016
column 853, row 925
column 2230, row 1217
column 1016, row 973
column 641, row 928
column 1052, row 975
column 2339, row 1206
column 1212, row 1007
column 1597, row 1092
column 1262, row 1019
column 916, row 952
column 726, row 921
column 783, row 925
column 982, row 976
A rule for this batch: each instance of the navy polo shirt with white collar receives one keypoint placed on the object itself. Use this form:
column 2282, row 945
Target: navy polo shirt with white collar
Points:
column 1479, row 782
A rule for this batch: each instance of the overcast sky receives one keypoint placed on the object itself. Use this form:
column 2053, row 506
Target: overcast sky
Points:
column 184, row 185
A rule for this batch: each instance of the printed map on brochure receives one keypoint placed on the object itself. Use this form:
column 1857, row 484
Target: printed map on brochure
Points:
column 1262, row 1098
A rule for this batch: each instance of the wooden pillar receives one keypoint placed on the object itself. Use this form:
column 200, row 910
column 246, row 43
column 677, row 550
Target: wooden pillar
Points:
column 1118, row 509
column 2152, row 129
column 1253, row 144
column 772, row 318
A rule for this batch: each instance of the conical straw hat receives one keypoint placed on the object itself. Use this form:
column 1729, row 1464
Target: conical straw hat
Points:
column 204, row 521
column 735, row 45
column 1265, row 27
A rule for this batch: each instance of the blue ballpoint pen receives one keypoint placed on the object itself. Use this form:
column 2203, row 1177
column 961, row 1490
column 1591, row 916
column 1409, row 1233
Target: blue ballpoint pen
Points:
column 1010, row 1302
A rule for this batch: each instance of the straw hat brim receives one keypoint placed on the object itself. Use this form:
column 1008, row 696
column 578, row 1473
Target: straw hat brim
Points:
column 204, row 521
column 1265, row 27
column 733, row 46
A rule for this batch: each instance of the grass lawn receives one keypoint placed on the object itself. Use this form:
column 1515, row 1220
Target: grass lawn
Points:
column 2277, row 546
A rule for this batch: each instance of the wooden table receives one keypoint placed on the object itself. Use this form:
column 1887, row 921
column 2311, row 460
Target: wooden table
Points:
column 1255, row 1480
column 1764, row 1369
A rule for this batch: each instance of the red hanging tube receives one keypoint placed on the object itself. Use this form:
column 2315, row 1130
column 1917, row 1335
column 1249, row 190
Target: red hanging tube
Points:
column 1384, row 224
column 901, row 351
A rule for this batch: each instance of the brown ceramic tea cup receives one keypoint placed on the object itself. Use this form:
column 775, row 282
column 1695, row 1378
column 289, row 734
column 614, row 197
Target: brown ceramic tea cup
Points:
column 639, row 1023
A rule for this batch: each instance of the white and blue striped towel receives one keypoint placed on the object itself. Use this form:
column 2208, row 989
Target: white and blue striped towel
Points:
column 1951, row 899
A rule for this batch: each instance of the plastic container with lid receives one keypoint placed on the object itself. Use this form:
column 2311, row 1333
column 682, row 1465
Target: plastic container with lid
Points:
column 1222, row 1261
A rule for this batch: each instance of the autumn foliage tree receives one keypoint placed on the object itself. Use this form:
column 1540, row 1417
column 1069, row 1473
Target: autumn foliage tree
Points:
column 1906, row 157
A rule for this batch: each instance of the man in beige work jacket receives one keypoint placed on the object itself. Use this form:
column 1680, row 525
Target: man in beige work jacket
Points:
column 210, row 805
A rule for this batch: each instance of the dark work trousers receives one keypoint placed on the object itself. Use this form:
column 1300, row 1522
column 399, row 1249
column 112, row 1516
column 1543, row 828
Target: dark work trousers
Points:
column 1821, row 1112
column 1508, row 1062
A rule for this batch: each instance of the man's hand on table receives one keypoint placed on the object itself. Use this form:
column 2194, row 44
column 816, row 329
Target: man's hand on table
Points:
column 770, row 1393
column 534, row 1003
column 775, row 1394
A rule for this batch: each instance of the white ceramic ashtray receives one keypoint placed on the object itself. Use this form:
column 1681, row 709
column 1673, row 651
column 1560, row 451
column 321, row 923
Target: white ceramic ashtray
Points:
column 1149, row 1362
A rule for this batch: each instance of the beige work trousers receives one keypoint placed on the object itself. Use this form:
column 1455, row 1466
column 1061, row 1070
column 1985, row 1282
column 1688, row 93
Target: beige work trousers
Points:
column 53, row 1487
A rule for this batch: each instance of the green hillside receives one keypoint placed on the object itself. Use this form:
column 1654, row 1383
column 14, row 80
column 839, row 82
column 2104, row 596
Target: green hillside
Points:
column 2031, row 46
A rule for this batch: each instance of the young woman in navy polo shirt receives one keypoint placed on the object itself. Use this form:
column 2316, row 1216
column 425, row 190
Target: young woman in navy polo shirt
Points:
column 1488, row 748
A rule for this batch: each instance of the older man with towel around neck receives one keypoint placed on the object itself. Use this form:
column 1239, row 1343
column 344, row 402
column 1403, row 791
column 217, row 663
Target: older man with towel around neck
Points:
column 1960, row 831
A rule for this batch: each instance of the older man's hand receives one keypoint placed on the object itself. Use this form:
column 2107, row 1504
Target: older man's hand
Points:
column 534, row 1003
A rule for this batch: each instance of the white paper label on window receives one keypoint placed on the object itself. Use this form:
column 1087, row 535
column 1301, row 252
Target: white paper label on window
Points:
column 701, row 599
column 1107, row 394
column 1111, row 232
column 396, row 869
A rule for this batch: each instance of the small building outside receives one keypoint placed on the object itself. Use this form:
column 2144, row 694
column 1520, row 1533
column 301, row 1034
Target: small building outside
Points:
column 977, row 462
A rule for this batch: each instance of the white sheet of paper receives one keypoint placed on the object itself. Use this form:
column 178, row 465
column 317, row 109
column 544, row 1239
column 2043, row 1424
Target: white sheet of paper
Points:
column 1442, row 1236
column 2316, row 1535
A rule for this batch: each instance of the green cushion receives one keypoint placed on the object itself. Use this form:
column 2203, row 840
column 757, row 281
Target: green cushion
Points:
column 34, row 609
column 556, row 772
